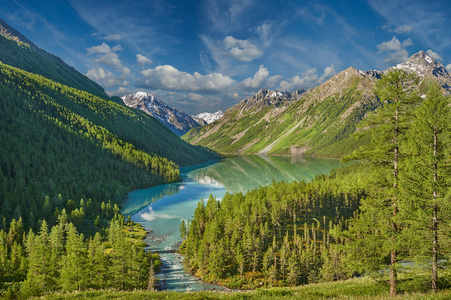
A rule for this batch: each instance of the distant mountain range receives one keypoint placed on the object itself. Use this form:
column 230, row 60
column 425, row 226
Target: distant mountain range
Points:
column 318, row 121
column 177, row 121
column 210, row 117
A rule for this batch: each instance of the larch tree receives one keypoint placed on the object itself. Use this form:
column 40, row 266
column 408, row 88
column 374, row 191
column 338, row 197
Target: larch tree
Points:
column 376, row 232
column 426, row 180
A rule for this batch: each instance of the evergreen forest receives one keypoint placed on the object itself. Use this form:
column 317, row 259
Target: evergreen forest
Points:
column 69, row 155
column 387, row 216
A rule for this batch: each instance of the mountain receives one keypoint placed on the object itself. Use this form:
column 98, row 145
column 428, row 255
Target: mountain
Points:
column 63, row 147
column 210, row 117
column 317, row 122
column 17, row 51
column 177, row 121
column 426, row 68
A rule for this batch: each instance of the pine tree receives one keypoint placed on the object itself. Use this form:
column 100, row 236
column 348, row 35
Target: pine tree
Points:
column 426, row 181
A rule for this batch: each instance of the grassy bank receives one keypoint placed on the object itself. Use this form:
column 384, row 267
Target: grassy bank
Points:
column 357, row 288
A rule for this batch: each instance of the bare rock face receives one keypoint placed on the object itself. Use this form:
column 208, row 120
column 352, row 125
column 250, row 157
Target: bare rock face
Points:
column 208, row 118
column 177, row 121
column 426, row 68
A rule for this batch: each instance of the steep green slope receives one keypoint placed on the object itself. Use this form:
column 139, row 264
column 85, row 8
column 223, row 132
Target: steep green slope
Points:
column 18, row 51
column 320, row 123
column 59, row 143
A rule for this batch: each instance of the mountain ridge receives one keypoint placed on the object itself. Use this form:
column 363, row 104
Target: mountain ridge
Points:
column 177, row 121
column 18, row 51
column 329, row 113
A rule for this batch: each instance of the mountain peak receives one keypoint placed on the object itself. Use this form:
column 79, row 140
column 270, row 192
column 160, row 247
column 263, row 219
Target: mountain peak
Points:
column 177, row 121
column 210, row 117
column 425, row 67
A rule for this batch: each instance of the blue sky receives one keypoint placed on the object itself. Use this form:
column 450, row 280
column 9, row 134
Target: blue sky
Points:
column 207, row 55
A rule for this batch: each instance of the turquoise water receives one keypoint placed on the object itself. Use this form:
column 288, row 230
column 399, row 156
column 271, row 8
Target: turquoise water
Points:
column 161, row 209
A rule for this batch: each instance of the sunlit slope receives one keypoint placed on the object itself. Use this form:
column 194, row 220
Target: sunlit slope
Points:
column 17, row 51
column 319, row 123
column 60, row 140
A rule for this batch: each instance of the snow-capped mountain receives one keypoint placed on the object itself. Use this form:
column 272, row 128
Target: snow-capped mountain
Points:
column 177, row 121
column 210, row 117
column 425, row 67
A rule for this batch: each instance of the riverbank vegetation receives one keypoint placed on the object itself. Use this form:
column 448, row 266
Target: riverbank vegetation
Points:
column 61, row 259
column 387, row 214
column 357, row 288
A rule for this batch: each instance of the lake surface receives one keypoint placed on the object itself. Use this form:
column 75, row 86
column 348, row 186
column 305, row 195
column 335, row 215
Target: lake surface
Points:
column 161, row 209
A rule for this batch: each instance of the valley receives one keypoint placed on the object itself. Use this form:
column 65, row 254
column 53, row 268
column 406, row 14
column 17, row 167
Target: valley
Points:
column 343, row 184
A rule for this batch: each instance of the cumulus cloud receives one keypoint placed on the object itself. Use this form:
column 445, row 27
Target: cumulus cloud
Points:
column 308, row 79
column 396, row 50
column 434, row 55
column 403, row 29
column 111, row 59
column 242, row 50
column 121, row 91
column 107, row 55
column 104, row 48
column 448, row 68
column 142, row 60
column 104, row 77
column 170, row 79
column 261, row 79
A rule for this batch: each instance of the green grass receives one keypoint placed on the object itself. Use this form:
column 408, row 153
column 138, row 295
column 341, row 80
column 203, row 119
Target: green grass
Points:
column 356, row 288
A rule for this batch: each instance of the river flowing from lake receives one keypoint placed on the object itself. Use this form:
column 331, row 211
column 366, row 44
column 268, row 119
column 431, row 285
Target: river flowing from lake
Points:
column 161, row 209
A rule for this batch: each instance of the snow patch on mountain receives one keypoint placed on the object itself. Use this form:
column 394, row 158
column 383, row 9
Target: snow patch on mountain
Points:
column 177, row 121
column 210, row 117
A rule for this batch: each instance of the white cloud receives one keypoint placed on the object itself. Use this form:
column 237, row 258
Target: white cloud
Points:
column 104, row 48
column 111, row 59
column 107, row 55
column 113, row 37
column 448, row 68
column 328, row 73
column 307, row 80
column 169, row 78
column 403, row 29
column 121, row 91
column 261, row 79
column 104, row 77
column 434, row 55
column 142, row 60
column 242, row 50
column 395, row 49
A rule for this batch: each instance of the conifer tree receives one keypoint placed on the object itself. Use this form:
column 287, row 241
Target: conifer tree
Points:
column 151, row 281
column 426, row 180
column 377, row 229
column 74, row 262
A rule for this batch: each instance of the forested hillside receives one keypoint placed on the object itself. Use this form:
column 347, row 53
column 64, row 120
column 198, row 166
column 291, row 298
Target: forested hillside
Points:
column 17, row 51
column 275, row 235
column 387, row 217
column 61, row 145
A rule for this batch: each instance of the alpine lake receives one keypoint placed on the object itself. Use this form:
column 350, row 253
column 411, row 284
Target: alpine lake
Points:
column 161, row 209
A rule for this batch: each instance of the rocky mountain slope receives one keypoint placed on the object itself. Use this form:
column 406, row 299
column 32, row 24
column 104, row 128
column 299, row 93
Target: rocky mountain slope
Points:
column 210, row 117
column 177, row 121
column 318, row 122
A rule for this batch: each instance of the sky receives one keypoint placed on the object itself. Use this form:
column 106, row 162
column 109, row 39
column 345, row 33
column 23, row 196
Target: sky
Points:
column 206, row 55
